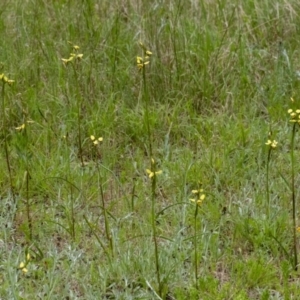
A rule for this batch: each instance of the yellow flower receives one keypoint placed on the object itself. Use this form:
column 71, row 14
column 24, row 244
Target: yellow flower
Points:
column 73, row 56
column 145, row 60
column 199, row 201
column 139, row 62
column 96, row 141
column 23, row 268
column 20, row 127
column 200, row 198
column 67, row 60
column 23, row 265
column 272, row 144
column 151, row 174
column 197, row 191
column 295, row 115
column 10, row 82
column 6, row 80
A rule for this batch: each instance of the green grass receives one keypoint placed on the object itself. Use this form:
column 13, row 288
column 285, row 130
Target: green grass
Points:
column 220, row 79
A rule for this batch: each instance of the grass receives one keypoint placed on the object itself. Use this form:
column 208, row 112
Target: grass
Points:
column 94, row 224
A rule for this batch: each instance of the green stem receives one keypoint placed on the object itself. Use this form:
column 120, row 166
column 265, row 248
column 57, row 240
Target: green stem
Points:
column 195, row 247
column 78, row 101
column 267, row 181
column 97, row 238
column 132, row 196
column 157, row 265
column 28, row 177
column 29, row 220
column 6, row 145
column 72, row 224
column 147, row 119
column 106, row 222
column 294, row 199
column 153, row 186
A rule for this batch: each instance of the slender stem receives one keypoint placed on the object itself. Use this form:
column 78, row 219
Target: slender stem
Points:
column 294, row 199
column 29, row 220
column 132, row 196
column 106, row 222
column 72, row 215
column 195, row 246
column 6, row 145
column 153, row 196
column 97, row 238
column 78, row 101
column 153, row 186
column 27, row 157
column 267, row 181
column 147, row 119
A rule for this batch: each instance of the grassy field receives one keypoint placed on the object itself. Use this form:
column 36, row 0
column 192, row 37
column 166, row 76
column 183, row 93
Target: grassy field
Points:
column 133, row 158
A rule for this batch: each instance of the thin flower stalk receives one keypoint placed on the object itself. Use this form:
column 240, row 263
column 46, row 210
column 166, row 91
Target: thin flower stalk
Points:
column 5, row 80
column 23, row 132
column 96, row 141
column 142, row 62
column 152, row 174
column 294, row 119
column 272, row 144
column 198, row 199
column 73, row 59
column 295, row 250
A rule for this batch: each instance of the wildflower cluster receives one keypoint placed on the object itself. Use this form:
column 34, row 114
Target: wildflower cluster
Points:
column 4, row 79
column 151, row 173
column 295, row 116
column 200, row 196
column 145, row 60
column 96, row 141
column 23, row 265
column 272, row 143
column 73, row 55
